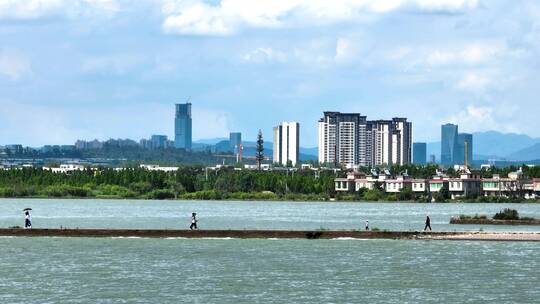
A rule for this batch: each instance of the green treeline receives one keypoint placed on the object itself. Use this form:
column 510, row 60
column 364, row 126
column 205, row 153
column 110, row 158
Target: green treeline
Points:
column 194, row 182
column 187, row 183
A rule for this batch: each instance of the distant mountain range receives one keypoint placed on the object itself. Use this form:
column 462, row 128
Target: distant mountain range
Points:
column 249, row 148
column 487, row 145
column 497, row 145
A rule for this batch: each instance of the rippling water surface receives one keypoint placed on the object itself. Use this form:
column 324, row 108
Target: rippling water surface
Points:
column 127, row 270
column 249, row 215
column 175, row 270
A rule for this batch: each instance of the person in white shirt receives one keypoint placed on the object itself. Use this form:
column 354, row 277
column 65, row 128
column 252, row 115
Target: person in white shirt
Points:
column 193, row 221
column 27, row 220
column 367, row 225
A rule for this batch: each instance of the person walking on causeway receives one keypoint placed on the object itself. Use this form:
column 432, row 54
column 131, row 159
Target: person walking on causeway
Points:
column 193, row 221
column 428, row 223
column 27, row 220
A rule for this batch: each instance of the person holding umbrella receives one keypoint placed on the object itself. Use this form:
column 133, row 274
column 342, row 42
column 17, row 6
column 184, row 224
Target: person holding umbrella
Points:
column 27, row 218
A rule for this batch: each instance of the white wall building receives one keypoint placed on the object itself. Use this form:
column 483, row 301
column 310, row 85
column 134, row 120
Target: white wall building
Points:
column 287, row 143
column 350, row 140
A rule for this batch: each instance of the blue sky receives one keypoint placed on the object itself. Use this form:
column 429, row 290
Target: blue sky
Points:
column 89, row 69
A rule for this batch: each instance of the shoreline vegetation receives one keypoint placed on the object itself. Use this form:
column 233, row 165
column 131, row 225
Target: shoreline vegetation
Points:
column 504, row 217
column 196, row 183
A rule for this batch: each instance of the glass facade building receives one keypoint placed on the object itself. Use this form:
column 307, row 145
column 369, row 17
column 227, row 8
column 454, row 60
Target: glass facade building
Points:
column 464, row 142
column 454, row 145
column 235, row 140
column 419, row 153
column 158, row 141
column 182, row 126
column 449, row 133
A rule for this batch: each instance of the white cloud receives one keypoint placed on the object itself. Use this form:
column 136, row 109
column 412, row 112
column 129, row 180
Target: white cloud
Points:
column 210, row 123
column 265, row 55
column 471, row 53
column 115, row 64
column 345, row 50
column 473, row 81
column 229, row 16
column 13, row 65
column 35, row 9
column 485, row 118
column 446, row 5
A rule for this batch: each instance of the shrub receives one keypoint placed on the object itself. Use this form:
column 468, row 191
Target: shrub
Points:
column 507, row 214
column 114, row 190
column 161, row 194
column 373, row 195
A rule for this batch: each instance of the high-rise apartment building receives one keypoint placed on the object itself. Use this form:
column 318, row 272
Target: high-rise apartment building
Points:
column 287, row 143
column 419, row 153
column 401, row 141
column 182, row 126
column 343, row 139
column 351, row 140
column 382, row 141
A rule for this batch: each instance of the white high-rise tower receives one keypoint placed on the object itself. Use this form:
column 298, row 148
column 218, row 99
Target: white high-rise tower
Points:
column 287, row 143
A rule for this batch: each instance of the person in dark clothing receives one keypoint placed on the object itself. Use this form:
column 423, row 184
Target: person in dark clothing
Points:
column 428, row 223
column 27, row 220
column 193, row 221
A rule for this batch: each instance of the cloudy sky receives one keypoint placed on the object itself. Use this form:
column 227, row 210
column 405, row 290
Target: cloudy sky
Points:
column 89, row 69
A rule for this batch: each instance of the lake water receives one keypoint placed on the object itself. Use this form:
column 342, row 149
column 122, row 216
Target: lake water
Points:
column 132, row 270
column 250, row 215
column 176, row 270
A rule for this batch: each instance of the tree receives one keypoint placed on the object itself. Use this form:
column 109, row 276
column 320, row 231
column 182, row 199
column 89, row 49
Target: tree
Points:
column 259, row 155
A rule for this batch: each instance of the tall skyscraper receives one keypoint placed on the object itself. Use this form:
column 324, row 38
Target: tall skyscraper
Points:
column 287, row 143
column 419, row 153
column 235, row 140
column 454, row 144
column 182, row 126
column 449, row 134
column 351, row 140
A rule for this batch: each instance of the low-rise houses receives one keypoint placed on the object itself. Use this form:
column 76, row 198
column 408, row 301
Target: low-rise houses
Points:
column 158, row 168
column 397, row 185
column 66, row 168
column 464, row 186
column 437, row 184
column 419, row 186
column 467, row 185
column 536, row 187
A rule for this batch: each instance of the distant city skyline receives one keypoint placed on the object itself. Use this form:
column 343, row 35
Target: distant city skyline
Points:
column 111, row 69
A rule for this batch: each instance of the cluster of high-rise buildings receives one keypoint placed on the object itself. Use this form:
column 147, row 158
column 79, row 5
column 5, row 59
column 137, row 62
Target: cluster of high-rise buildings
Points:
column 345, row 139
column 456, row 148
column 349, row 139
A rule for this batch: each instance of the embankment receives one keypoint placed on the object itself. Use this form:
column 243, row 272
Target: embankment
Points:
column 266, row 234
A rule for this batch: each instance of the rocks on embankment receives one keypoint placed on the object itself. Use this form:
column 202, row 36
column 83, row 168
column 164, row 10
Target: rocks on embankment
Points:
column 486, row 221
